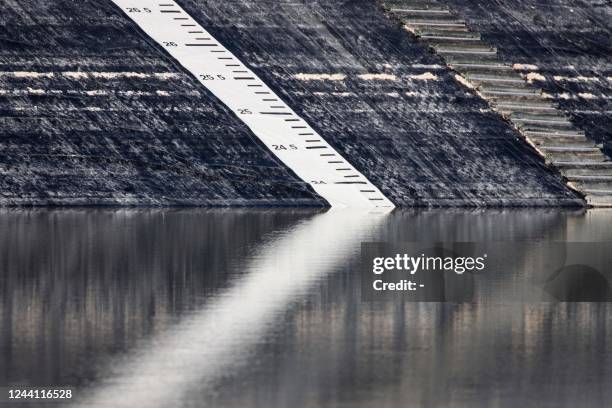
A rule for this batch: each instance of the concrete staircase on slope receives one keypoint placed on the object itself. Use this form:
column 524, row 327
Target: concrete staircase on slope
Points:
column 564, row 147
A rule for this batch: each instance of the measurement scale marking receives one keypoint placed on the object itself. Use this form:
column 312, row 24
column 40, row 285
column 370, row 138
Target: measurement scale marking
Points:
column 242, row 96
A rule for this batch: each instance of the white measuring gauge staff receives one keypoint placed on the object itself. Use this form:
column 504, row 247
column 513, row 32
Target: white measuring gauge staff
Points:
column 287, row 135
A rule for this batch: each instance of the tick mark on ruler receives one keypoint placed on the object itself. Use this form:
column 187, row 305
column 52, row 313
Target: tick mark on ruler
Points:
column 244, row 78
column 181, row 18
column 350, row 182
column 316, row 147
column 188, row 25
column 196, row 32
column 201, row 45
column 170, row 11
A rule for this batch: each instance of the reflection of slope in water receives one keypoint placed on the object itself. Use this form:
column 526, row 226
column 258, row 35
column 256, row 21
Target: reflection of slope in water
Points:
column 571, row 266
column 80, row 285
column 505, row 279
column 204, row 345
column 530, row 253
column 587, row 274
column 443, row 355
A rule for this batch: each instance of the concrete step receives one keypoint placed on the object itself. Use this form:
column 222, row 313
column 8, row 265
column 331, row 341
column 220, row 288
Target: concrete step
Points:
column 419, row 28
column 517, row 85
column 443, row 20
column 436, row 13
column 476, row 50
column 535, row 107
column 492, row 65
column 417, row 25
column 573, row 150
column 435, row 34
column 533, row 125
column 561, row 141
column 497, row 93
column 592, row 179
column 555, row 133
column 508, row 96
column 441, row 41
column 551, row 142
column 499, row 79
column 487, row 68
column 475, row 60
column 554, row 118
column 599, row 198
column 413, row 5
column 584, row 169
column 471, row 48
column 572, row 154
column 590, row 186
column 481, row 59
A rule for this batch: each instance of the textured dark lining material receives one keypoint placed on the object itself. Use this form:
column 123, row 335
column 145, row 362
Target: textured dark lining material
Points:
column 150, row 135
column 424, row 142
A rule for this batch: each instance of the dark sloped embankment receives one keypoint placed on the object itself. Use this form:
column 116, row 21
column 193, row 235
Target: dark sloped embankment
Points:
column 94, row 113
column 384, row 101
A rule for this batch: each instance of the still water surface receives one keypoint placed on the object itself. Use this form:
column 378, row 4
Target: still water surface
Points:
column 241, row 308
